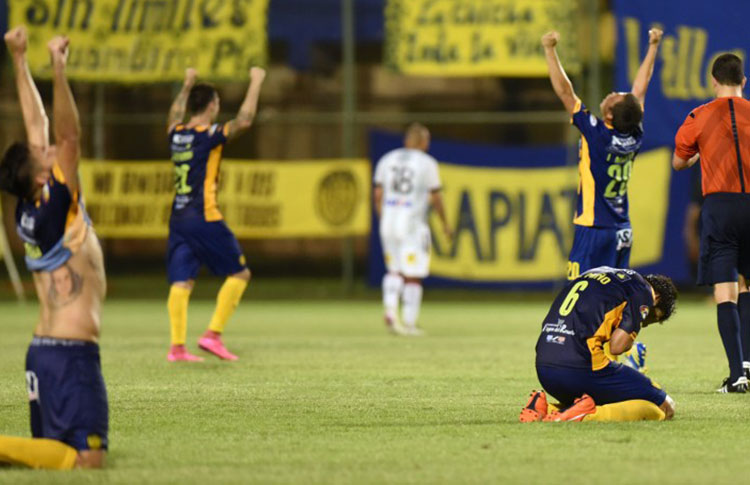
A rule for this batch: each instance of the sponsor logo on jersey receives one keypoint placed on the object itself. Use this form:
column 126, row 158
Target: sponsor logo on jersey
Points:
column 559, row 327
column 180, row 139
column 27, row 223
column 645, row 310
column 556, row 339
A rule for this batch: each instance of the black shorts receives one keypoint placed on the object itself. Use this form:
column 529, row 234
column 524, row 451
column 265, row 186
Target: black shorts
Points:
column 725, row 238
column 67, row 396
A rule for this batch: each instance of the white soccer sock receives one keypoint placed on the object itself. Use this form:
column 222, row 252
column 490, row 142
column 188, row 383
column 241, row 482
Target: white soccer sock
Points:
column 412, row 299
column 392, row 286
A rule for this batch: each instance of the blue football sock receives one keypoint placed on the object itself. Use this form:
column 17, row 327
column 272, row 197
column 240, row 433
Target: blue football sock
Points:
column 743, row 305
column 729, row 329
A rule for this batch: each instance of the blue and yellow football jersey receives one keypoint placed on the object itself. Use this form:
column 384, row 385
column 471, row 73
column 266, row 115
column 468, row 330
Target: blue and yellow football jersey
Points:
column 196, row 154
column 53, row 227
column 587, row 312
column 606, row 159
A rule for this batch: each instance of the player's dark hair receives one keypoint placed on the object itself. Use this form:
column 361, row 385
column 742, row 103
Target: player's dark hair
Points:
column 627, row 114
column 667, row 292
column 200, row 95
column 727, row 70
column 16, row 171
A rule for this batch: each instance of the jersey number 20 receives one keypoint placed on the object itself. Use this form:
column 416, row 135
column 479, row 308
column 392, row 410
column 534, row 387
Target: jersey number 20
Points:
column 619, row 173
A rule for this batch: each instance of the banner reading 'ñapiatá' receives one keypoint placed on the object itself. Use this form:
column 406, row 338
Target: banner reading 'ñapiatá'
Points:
column 313, row 198
column 477, row 37
column 511, row 211
column 146, row 41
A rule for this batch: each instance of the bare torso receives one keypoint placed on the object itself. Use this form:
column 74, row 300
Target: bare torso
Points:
column 70, row 296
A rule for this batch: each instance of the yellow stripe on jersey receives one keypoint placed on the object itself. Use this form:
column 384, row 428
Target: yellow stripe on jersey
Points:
column 210, row 205
column 587, row 186
column 576, row 108
column 595, row 343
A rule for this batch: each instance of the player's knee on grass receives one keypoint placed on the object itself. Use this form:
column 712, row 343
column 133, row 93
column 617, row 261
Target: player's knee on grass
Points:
column 408, row 280
column 91, row 459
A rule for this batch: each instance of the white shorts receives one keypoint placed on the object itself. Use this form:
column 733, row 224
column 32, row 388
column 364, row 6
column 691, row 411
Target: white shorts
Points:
column 409, row 256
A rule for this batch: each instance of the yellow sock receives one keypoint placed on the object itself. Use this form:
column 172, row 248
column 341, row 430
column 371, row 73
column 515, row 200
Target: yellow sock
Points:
column 37, row 453
column 633, row 410
column 177, row 305
column 226, row 302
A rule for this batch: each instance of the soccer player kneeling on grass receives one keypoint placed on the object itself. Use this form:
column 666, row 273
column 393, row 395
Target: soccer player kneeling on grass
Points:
column 603, row 305
column 67, row 396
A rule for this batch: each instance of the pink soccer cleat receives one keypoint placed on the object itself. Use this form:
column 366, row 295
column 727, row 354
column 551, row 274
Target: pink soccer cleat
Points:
column 178, row 353
column 214, row 345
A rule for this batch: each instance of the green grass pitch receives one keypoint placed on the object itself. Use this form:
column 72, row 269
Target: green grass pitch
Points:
column 323, row 395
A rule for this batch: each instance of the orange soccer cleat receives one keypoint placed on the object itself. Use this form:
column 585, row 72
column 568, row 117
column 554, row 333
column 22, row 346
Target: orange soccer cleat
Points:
column 536, row 408
column 582, row 407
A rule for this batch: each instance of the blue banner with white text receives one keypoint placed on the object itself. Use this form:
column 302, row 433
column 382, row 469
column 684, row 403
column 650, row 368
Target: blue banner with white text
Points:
column 695, row 33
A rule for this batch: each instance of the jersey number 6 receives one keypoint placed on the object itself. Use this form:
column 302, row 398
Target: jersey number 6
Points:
column 570, row 301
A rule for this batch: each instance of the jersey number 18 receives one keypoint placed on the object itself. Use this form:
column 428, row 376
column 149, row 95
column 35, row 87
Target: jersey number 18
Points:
column 403, row 180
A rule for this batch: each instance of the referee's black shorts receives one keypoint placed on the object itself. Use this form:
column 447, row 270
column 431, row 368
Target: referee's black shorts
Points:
column 725, row 238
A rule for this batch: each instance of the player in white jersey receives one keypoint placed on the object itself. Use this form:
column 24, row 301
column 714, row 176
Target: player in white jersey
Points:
column 407, row 183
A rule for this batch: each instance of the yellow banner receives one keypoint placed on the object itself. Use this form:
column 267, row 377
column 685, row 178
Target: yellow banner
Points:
column 478, row 37
column 315, row 198
column 146, row 40
column 516, row 224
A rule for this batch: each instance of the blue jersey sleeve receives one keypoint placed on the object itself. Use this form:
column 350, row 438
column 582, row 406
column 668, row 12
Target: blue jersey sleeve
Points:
column 588, row 124
column 640, row 304
column 217, row 134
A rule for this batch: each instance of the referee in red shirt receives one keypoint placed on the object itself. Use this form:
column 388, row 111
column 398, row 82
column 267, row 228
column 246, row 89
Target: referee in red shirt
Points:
column 718, row 135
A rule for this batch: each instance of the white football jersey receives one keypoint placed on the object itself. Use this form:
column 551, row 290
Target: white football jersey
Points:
column 407, row 177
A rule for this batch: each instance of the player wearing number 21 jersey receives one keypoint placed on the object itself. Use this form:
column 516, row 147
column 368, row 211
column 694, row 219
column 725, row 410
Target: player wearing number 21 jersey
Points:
column 407, row 183
column 608, row 146
column 197, row 232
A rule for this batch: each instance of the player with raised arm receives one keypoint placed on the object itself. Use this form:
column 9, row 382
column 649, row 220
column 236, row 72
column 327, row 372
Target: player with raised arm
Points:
column 717, row 135
column 197, row 232
column 68, row 399
column 407, row 184
column 603, row 305
column 607, row 150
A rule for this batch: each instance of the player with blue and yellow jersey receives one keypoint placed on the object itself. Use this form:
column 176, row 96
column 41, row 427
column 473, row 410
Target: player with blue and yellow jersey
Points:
column 602, row 306
column 67, row 395
column 608, row 146
column 197, row 232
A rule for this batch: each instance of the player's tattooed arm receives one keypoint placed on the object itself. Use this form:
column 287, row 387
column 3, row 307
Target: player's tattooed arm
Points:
column 34, row 117
column 249, row 106
column 67, row 125
column 560, row 81
column 64, row 285
column 646, row 70
column 177, row 110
